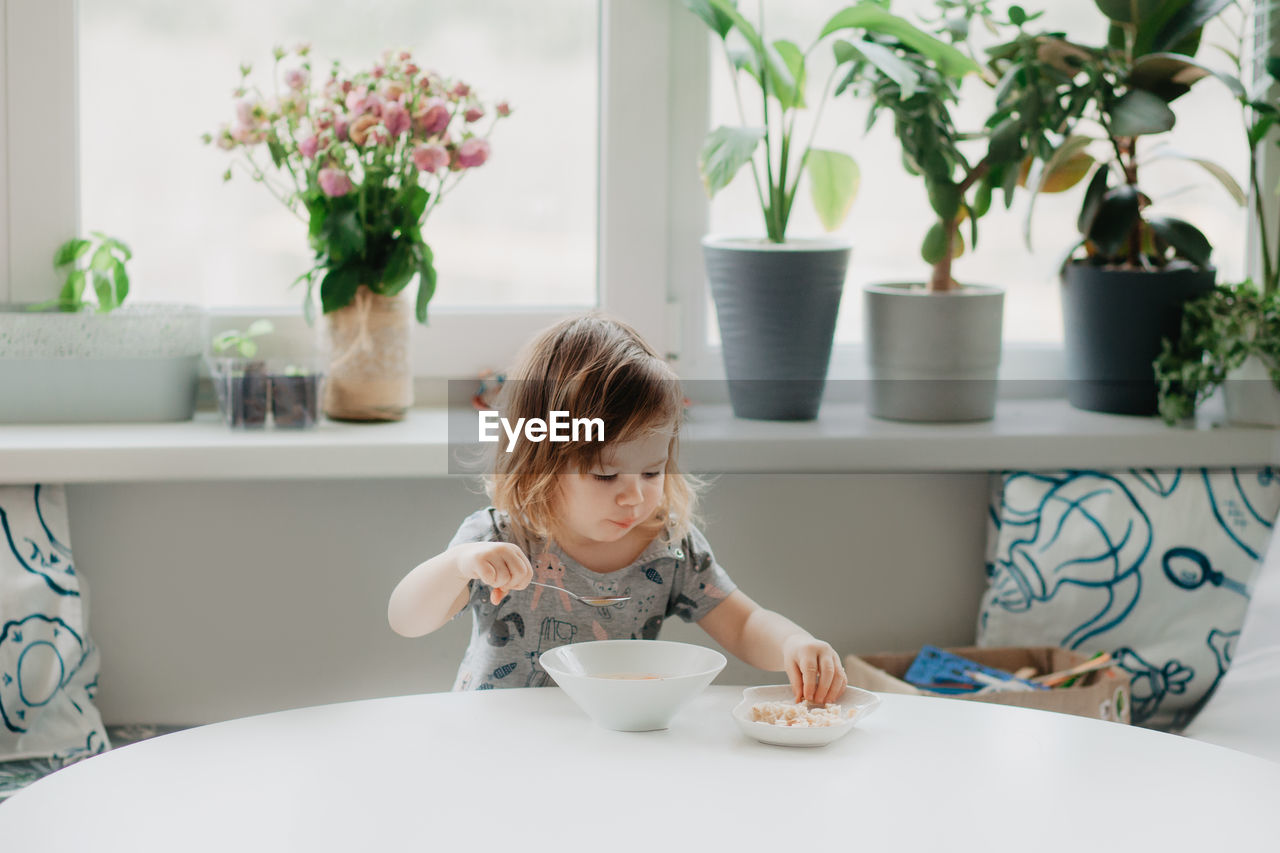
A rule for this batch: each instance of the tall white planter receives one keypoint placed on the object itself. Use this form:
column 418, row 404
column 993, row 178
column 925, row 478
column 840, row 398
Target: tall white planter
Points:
column 933, row 356
column 1250, row 396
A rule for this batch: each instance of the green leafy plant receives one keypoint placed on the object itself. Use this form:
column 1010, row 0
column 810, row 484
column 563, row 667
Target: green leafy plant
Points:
column 90, row 264
column 1125, row 89
column 1220, row 331
column 778, row 71
column 1035, row 103
column 242, row 342
column 1234, row 322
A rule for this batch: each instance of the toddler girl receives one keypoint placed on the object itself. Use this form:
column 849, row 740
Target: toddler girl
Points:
column 599, row 518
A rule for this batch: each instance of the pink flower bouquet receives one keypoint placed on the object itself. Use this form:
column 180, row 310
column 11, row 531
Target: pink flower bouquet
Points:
column 362, row 159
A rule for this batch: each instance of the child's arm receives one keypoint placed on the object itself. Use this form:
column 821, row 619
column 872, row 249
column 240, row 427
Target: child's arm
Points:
column 772, row 642
column 436, row 590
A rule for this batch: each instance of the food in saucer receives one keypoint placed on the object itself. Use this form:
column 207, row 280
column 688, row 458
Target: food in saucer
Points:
column 804, row 715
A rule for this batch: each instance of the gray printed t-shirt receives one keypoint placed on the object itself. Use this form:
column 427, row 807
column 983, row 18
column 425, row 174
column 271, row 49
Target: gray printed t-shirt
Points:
column 679, row 578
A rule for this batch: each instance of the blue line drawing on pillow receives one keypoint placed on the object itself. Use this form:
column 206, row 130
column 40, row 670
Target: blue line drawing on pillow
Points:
column 1223, row 646
column 1106, row 547
column 94, row 744
column 1149, row 685
column 1190, row 569
column 61, row 548
column 1236, row 513
column 1154, row 480
column 41, row 553
column 25, row 647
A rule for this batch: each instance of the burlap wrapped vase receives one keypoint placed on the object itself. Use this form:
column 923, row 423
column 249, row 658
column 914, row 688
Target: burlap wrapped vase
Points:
column 370, row 359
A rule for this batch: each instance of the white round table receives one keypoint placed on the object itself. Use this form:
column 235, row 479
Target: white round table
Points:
column 525, row 770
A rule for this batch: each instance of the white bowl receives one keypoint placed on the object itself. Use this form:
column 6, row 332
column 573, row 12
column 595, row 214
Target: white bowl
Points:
column 854, row 699
column 594, row 675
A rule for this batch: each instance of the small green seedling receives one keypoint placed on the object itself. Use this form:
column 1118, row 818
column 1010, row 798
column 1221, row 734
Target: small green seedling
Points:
column 243, row 343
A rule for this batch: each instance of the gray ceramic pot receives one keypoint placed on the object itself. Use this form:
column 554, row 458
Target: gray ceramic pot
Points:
column 138, row 363
column 1114, row 321
column 932, row 356
column 777, row 307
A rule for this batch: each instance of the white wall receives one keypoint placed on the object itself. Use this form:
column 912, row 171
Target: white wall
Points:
column 217, row 600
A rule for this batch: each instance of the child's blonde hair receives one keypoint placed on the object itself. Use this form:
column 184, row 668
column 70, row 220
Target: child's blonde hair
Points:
column 590, row 366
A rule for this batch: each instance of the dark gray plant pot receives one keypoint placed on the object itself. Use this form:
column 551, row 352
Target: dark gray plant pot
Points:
column 933, row 357
column 1114, row 322
column 777, row 307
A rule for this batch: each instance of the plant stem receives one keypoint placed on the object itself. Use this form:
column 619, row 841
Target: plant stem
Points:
column 772, row 211
column 940, row 280
column 255, row 172
column 742, row 116
column 1268, row 272
column 784, row 209
column 1131, row 177
column 790, row 195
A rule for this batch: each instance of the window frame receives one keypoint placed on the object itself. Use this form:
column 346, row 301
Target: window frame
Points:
column 649, row 260
column 631, row 235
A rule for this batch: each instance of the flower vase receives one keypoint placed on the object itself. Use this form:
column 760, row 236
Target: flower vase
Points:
column 370, row 359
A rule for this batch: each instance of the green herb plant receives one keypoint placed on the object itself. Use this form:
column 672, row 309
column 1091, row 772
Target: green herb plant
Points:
column 90, row 264
column 1235, row 321
column 242, row 342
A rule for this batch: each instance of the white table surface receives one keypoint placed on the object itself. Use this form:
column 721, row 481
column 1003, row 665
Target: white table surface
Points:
column 525, row 770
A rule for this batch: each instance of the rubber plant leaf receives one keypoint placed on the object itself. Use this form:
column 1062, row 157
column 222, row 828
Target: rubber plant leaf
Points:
column 1116, row 216
column 1169, row 76
column 1187, row 240
column 1137, row 113
column 1185, row 22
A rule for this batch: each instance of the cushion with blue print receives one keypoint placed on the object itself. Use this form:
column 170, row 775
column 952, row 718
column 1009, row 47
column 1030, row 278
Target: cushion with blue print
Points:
column 48, row 664
column 1150, row 565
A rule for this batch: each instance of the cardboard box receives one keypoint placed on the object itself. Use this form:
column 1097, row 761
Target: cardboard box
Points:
column 1102, row 695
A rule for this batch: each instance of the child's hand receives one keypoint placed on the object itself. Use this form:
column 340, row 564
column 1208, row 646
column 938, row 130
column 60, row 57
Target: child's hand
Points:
column 814, row 669
column 499, row 565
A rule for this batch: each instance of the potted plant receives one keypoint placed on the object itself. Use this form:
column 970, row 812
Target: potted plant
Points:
column 934, row 347
column 777, row 298
column 362, row 159
column 85, row 356
column 295, row 396
column 1126, row 292
column 240, row 379
column 1231, row 335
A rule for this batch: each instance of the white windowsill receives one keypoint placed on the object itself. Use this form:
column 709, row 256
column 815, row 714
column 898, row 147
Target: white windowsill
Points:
column 1026, row 434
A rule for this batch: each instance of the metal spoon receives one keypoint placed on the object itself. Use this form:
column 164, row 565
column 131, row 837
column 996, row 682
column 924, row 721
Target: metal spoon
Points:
column 594, row 601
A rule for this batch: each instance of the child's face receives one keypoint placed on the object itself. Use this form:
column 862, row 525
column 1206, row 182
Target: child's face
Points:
column 607, row 502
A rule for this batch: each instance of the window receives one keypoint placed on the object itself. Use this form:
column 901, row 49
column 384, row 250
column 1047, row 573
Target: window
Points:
column 891, row 213
column 558, row 220
column 155, row 75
